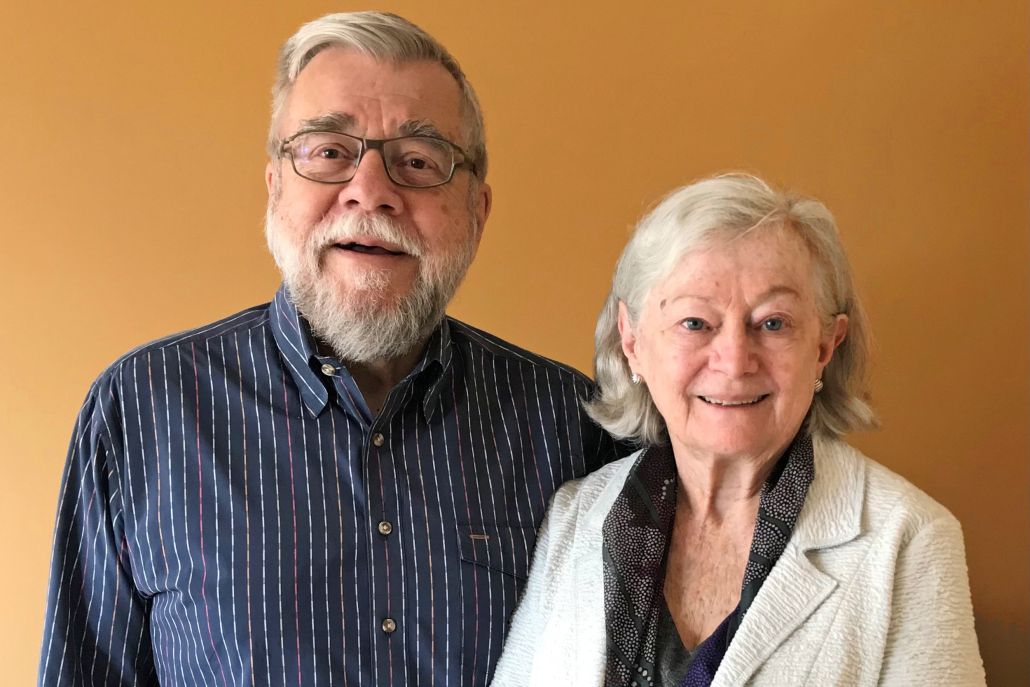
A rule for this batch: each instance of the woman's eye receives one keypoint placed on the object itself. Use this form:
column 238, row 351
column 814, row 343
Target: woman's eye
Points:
column 773, row 324
column 694, row 324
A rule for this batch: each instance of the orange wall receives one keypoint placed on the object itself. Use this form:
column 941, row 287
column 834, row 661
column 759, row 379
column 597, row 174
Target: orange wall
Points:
column 131, row 199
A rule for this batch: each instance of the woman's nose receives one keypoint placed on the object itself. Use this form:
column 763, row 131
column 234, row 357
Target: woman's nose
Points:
column 733, row 352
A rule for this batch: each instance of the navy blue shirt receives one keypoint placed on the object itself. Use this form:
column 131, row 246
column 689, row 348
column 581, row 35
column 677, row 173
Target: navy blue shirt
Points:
column 232, row 514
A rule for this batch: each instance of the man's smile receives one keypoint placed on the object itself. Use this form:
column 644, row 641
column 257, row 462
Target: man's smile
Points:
column 366, row 249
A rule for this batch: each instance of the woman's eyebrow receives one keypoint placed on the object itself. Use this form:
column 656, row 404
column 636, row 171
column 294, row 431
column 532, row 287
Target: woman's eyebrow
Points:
column 779, row 290
column 771, row 292
column 683, row 296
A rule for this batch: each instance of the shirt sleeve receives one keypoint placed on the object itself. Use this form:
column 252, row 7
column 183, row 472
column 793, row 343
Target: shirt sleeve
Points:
column 931, row 639
column 96, row 630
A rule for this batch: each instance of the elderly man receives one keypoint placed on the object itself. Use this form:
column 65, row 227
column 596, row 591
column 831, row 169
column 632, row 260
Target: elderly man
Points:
column 341, row 486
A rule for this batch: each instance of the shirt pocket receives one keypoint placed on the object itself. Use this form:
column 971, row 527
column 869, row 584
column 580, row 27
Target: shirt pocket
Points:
column 503, row 548
column 494, row 568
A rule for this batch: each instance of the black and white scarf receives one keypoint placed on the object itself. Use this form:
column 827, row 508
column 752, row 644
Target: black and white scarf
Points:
column 635, row 547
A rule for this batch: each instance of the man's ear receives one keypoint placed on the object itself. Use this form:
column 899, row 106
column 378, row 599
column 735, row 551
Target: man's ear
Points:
column 828, row 345
column 270, row 178
column 629, row 339
column 483, row 203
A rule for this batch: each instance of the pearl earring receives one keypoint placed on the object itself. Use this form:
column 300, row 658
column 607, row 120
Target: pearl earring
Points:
column 635, row 378
column 818, row 385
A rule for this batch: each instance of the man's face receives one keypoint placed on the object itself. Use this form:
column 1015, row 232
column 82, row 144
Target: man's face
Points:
column 367, row 247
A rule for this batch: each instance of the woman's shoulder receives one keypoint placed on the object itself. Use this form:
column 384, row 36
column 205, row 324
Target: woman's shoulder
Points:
column 887, row 497
column 584, row 494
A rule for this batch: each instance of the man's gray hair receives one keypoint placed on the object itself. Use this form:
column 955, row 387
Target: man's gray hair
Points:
column 719, row 210
column 384, row 37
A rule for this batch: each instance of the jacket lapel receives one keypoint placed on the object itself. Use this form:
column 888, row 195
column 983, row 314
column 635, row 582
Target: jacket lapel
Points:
column 791, row 593
column 794, row 588
column 590, row 648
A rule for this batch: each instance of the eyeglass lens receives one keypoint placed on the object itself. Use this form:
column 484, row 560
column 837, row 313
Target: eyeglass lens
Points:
column 411, row 161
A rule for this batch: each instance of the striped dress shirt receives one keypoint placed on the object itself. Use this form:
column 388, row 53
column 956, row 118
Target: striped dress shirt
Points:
column 231, row 513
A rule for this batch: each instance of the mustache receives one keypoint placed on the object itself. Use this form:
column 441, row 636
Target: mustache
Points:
column 347, row 228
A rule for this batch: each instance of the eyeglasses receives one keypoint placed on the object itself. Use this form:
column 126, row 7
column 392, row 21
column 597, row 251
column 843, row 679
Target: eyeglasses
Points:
column 412, row 161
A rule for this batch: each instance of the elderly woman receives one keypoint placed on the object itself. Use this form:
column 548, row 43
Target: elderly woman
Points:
column 746, row 543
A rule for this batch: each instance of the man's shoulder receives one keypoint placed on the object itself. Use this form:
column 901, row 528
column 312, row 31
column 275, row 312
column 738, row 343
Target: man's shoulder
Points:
column 466, row 335
column 227, row 328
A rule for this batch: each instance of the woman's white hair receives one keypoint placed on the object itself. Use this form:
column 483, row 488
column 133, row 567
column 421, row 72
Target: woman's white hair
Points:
column 719, row 210
column 384, row 37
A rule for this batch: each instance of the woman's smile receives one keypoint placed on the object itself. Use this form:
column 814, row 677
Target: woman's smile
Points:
column 734, row 402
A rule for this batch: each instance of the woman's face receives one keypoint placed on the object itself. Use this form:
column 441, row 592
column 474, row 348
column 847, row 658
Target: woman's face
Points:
column 730, row 345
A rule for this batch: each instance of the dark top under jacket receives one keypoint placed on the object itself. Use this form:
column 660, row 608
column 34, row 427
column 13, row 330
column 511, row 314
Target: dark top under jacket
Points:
column 635, row 548
column 232, row 514
column 672, row 659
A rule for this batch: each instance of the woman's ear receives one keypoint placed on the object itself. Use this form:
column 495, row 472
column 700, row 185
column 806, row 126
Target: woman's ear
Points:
column 629, row 338
column 829, row 344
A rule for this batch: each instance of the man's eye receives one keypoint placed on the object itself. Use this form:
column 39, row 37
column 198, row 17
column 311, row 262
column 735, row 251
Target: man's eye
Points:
column 328, row 153
column 773, row 324
column 418, row 163
column 694, row 324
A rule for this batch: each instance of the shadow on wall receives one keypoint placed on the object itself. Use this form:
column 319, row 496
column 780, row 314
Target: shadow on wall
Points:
column 1005, row 651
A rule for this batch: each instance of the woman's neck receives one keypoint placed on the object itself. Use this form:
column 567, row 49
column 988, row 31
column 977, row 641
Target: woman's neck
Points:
column 718, row 487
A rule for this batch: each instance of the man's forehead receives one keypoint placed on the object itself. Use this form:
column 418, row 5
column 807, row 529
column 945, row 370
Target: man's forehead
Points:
column 357, row 91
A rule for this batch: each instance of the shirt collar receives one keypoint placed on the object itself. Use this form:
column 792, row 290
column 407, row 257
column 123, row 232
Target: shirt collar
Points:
column 297, row 347
column 435, row 362
column 300, row 352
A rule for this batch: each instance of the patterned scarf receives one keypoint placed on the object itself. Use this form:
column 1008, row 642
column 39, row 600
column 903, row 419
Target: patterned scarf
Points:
column 635, row 546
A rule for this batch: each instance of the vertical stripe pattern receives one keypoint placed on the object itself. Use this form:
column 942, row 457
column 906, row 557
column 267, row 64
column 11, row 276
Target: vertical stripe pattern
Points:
column 222, row 513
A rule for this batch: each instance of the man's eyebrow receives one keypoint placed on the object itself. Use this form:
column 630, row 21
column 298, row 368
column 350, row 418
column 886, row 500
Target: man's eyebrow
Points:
column 339, row 122
column 420, row 127
column 343, row 123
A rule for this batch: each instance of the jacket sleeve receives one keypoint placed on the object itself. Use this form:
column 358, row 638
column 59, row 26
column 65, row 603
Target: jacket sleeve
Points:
column 931, row 639
column 96, row 630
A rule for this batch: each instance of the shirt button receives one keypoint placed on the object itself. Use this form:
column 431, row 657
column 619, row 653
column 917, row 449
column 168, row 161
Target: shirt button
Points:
column 378, row 439
column 385, row 527
column 328, row 370
column 389, row 626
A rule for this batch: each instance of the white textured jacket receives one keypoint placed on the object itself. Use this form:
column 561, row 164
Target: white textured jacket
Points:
column 872, row 589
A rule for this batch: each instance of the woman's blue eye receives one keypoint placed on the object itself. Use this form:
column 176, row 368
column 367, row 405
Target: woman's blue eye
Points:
column 773, row 324
column 694, row 324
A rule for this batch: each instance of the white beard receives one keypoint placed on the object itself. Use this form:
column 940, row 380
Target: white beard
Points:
column 362, row 323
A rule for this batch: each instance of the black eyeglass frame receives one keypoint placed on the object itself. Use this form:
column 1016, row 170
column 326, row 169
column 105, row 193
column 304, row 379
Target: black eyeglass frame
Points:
column 377, row 144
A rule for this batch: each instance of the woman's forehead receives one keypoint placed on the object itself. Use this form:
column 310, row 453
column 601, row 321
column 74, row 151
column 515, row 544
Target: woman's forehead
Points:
column 763, row 264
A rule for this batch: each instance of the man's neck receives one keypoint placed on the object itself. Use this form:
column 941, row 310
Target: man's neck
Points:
column 376, row 378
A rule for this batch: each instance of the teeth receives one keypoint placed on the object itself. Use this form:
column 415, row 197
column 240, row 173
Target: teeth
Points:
column 715, row 401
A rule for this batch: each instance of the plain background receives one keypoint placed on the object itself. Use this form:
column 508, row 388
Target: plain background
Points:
column 131, row 200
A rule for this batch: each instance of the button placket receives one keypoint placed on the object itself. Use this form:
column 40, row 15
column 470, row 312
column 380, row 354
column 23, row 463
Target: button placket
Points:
column 387, row 555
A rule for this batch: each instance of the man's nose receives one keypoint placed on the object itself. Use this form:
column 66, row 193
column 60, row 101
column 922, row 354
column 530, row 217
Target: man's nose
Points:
column 371, row 190
column 734, row 352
